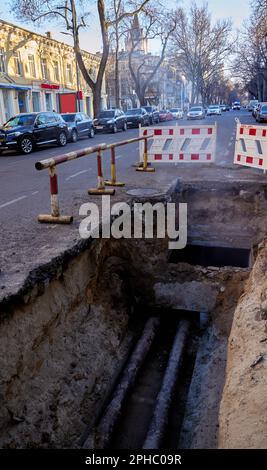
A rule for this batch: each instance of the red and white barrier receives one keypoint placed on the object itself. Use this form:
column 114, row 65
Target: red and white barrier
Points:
column 180, row 144
column 251, row 146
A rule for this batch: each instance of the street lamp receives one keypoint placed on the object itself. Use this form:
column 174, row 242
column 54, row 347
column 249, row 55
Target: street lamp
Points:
column 183, row 79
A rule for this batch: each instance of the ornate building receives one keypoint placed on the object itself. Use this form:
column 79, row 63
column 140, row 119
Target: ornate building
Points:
column 36, row 70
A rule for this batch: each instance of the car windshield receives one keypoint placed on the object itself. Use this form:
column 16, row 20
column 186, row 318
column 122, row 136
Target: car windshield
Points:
column 106, row 114
column 163, row 111
column 196, row 109
column 264, row 109
column 174, row 110
column 148, row 108
column 68, row 117
column 131, row 112
column 22, row 120
column 214, row 107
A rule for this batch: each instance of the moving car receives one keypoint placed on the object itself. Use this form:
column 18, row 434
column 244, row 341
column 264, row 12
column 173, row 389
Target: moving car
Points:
column 196, row 112
column 26, row 131
column 214, row 109
column 262, row 113
column 177, row 113
column 153, row 114
column 137, row 116
column 110, row 120
column 165, row 115
column 236, row 106
column 79, row 125
column 223, row 107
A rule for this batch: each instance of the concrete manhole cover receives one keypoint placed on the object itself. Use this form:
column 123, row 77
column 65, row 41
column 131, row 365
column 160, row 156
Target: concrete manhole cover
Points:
column 143, row 192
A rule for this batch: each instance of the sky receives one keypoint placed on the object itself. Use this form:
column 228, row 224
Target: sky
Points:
column 237, row 10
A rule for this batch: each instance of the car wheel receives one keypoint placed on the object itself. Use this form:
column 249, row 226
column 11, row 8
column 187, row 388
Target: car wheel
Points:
column 26, row 145
column 91, row 133
column 115, row 129
column 74, row 136
column 62, row 139
column 125, row 127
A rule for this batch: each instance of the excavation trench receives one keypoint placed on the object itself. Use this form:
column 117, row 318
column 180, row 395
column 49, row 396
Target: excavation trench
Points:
column 68, row 343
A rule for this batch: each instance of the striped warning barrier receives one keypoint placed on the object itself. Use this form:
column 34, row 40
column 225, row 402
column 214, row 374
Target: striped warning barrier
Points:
column 251, row 146
column 180, row 144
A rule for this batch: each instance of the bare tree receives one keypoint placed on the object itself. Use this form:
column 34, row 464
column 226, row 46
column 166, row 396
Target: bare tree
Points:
column 67, row 12
column 155, row 22
column 250, row 64
column 200, row 47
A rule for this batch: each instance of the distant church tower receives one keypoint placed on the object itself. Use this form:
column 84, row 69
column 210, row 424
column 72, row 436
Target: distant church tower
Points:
column 136, row 34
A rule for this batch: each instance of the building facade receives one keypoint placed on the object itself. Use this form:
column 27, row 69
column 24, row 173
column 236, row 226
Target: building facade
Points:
column 36, row 71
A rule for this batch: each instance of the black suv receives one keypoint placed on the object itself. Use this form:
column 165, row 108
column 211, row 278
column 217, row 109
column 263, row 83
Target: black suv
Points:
column 137, row 116
column 153, row 114
column 79, row 125
column 110, row 120
column 25, row 131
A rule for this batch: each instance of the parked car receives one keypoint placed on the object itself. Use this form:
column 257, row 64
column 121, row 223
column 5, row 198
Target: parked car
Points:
column 137, row 116
column 165, row 115
column 26, row 131
column 79, row 125
column 255, row 110
column 223, row 108
column 262, row 113
column 153, row 114
column 214, row 109
column 177, row 113
column 110, row 120
column 251, row 104
column 196, row 112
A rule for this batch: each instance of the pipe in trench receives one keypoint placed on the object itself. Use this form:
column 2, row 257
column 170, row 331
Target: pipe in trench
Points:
column 159, row 420
column 105, row 428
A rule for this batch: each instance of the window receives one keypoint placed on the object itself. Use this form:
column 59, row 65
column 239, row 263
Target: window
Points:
column 68, row 73
column 44, row 69
column 17, row 63
column 2, row 60
column 32, row 68
column 56, row 71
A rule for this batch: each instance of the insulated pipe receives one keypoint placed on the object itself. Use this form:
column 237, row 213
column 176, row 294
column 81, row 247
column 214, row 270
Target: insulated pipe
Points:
column 100, row 180
column 145, row 157
column 160, row 416
column 50, row 162
column 110, row 418
column 113, row 181
column 55, row 216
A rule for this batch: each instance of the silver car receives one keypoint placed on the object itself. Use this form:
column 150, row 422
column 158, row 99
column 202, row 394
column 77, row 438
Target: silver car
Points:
column 196, row 112
column 214, row 109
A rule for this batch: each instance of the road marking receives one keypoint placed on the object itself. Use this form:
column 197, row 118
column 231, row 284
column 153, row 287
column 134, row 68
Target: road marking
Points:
column 35, row 192
column 77, row 174
column 13, row 201
column 119, row 156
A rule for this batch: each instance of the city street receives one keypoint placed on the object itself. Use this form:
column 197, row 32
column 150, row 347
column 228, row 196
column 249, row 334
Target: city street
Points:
column 24, row 191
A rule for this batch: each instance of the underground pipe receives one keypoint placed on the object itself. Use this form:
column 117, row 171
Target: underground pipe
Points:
column 105, row 428
column 159, row 420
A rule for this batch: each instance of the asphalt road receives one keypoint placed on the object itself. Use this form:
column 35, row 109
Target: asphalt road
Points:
column 24, row 193
column 23, row 190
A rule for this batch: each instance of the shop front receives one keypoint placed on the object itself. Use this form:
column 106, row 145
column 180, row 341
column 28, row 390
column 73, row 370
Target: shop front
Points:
column 14, row 99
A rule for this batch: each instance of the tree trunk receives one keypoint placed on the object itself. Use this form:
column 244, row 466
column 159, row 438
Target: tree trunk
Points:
column 97, row 100
column 117, row 79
